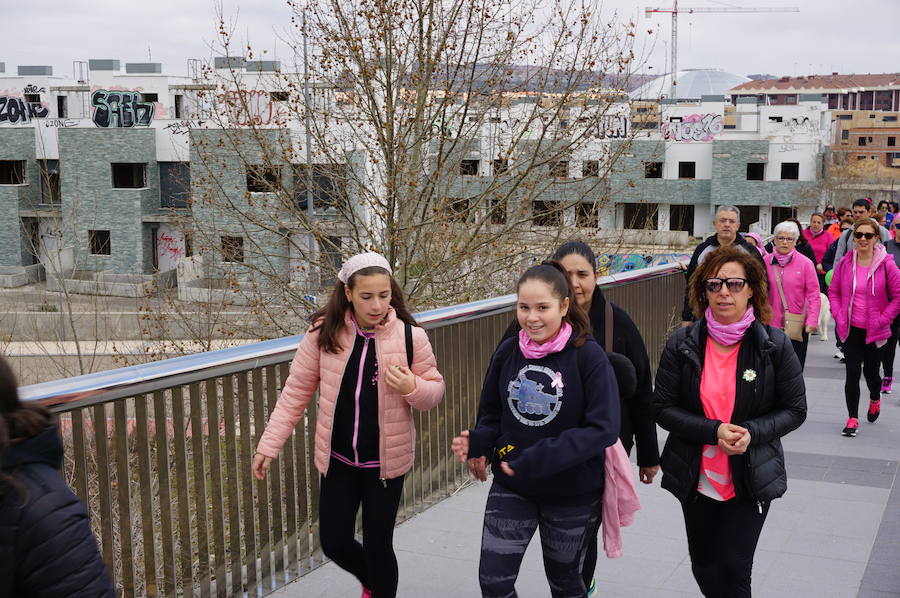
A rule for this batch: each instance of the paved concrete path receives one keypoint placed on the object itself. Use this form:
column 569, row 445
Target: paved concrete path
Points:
column 836, row 533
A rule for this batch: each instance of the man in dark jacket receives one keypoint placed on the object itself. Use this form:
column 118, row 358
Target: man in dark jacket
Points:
column 727, row 222
column 46, row 544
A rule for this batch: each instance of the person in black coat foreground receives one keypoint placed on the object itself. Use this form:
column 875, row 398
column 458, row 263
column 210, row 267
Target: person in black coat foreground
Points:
column 629, row 358
column 47, row 549
column 728, row 388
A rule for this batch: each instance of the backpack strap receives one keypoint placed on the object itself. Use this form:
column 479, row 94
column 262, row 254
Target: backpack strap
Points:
column 407, row 333
column 609, row 327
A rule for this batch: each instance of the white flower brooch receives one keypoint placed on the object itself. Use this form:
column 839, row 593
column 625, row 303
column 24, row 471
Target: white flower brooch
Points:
column 749, row 375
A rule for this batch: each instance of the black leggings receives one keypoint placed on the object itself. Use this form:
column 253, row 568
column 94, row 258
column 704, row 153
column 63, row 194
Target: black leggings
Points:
column 800, row 349
column 860, row 357
column 889, row 350
column 342, row 492
column 722, row 538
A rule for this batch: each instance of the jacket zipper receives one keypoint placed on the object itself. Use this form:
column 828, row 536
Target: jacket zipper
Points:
column 380, row 387
column 359, row 383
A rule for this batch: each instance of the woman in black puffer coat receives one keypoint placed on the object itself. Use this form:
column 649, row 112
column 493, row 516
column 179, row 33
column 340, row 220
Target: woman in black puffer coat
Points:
column 47, row 549
column 728, row 388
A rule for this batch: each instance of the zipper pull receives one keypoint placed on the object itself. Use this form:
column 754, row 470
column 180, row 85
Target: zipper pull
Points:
column 759, row 506
column 384, row 483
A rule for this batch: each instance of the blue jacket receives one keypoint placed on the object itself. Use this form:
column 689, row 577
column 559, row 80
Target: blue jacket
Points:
column 553, row 437
column 47, row 548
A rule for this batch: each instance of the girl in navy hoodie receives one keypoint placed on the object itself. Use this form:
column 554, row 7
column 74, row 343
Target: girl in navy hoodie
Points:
column 549, row 408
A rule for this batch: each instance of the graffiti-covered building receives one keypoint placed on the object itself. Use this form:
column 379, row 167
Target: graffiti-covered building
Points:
column 112, row 176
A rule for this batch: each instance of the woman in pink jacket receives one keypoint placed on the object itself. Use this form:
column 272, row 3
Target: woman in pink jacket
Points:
column 371, row 364
column 794, row 274
column 865, row 299
column 819, row 239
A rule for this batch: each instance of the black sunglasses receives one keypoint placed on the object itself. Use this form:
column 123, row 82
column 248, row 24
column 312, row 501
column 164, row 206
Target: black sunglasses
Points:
column 735, row 285
column 860, row 235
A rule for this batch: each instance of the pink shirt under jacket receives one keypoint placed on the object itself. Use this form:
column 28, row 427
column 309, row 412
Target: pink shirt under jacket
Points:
column 801, row 289
column 884, row 280
column 314, row 369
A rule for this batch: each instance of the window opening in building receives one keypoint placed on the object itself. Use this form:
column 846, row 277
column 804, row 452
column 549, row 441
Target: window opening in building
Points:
column 329, row 259
column 749, row 215
column 862, row 141
column 845, row 134
column 687, row 170
column 587, row 215
column 62, row 107
column 642, row 216
column 12, row 172
column 590, row 168
column 545, row 213
column 32, row 98
column 756, row 171
column 891, row 141
column 653, row 170
column 890, row 118
column 469, row 167
column 232, row 249
column 500, row 166
column 188, row 245
column 279, row 96
column 262, row 178
column 681, row 217
column 174, row 184
column 456, row 209
column 99, row 242
column 559, row 169
column 50, row 189
column 149, row 97
column 328, row 186
column 129, row 175
column 790, row 99
column 33, row 230
column 179, row 106
column 498, row 211
column 790, row 171
column 780, row 214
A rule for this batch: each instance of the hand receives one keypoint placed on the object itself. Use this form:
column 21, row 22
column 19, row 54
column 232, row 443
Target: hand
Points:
column 460, row 446
column 733, row 440
column 646, row 474
column 809, row 329
column 478, row 468
column 685, row 323
column 820, row 269
column 400, row 378
column 260, row 466
column 730, row 433
column 507, row 469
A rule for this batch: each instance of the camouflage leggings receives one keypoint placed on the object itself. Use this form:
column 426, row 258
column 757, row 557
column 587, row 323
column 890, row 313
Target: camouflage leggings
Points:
column 510, row 521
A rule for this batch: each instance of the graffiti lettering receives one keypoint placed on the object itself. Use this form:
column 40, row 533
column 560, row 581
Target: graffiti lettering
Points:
column 34, row 89
column 120, row 109
column 612, row 126
column 614, row 263
column 251, row 107
column 693, row 127
column 60, row 123
column 169, row 246
column 16, row 110
column 183, row 127
column 802, row 125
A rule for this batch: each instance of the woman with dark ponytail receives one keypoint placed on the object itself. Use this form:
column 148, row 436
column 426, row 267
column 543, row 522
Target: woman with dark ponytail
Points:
column 47, row 548
column 549, row 409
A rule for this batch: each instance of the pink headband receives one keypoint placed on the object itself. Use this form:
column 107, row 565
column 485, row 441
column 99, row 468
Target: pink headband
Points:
column 360, row 261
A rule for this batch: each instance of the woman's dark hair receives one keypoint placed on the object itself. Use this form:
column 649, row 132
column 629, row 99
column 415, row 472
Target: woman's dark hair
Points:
column 554, row 275
column 329, row 319
column 18, row 420
column 801, row 240
column 884, row 203
column 578, row 248
column 754, row 272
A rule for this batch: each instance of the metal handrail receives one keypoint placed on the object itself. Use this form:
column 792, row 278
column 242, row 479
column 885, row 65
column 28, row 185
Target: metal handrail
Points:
column 105, row 386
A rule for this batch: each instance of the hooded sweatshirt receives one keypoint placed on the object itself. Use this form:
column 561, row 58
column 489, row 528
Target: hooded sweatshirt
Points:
column 883, row 294
column 551, row 419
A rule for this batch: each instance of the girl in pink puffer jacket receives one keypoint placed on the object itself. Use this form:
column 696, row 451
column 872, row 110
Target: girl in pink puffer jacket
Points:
column 356, row 355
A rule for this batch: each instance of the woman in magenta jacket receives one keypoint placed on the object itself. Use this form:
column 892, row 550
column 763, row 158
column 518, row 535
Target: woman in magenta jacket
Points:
column 865, row 299
column 797, row 276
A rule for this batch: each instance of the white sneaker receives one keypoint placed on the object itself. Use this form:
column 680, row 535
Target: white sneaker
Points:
column 838, row 354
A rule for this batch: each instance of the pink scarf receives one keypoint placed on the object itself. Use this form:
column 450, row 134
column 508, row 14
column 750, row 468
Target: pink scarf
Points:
column 533, row 350
column 728, row 334
column 784, row 259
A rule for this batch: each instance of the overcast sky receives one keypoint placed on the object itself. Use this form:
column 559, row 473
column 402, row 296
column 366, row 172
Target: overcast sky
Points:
column 823, row 37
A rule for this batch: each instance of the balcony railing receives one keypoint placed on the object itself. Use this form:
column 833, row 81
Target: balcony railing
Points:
column 161, row 452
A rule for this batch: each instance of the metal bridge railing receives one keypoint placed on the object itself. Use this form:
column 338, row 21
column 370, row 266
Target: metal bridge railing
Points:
column 160, row 452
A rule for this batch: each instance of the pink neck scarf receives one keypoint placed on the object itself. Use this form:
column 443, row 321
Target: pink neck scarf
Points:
column 533, row 350
column 728, row 334
column 784, row 259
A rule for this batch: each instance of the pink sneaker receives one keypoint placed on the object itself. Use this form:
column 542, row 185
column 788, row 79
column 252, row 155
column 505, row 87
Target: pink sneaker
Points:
column 851, row 427
column 874, row 410
column 886, row 384
column 366, row 592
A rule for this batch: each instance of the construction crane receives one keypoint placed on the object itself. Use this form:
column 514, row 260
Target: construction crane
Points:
column 675, row 11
